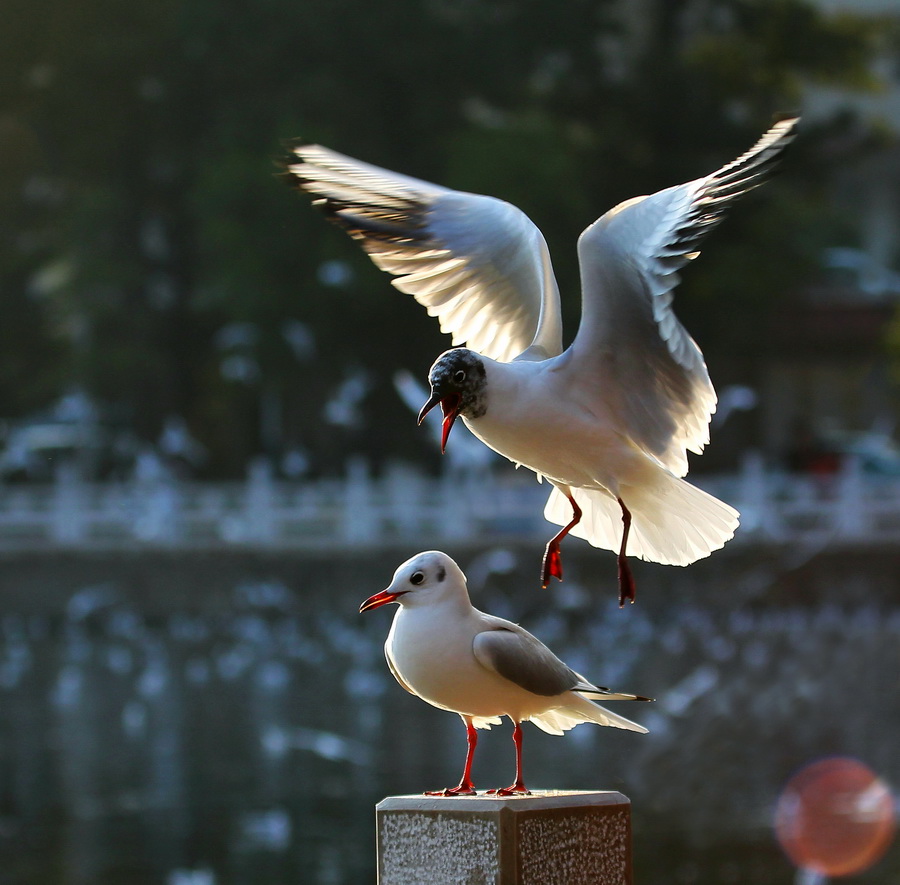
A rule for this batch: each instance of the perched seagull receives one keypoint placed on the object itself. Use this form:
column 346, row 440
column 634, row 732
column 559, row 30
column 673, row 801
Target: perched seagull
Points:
column 609, row 420
column 455, row 657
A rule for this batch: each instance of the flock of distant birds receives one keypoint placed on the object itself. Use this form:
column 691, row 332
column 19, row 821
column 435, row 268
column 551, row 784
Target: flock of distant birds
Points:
column 607, row 421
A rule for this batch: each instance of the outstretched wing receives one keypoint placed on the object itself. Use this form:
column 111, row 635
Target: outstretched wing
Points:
column 630, row 259
column 476, row 263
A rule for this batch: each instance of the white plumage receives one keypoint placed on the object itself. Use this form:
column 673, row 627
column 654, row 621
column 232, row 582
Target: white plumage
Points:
column 610, row 420
column 457, row 658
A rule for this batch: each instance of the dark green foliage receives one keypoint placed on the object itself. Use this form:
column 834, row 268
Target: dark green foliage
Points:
column 141, row 213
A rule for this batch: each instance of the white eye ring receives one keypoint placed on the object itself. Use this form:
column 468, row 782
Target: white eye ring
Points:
column 417, row 578
column 459, row 376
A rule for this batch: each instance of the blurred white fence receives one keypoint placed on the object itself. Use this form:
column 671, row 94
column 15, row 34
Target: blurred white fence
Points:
column 850, row 508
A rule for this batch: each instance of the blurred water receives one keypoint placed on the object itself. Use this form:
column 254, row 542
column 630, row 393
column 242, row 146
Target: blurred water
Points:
column 228, row 718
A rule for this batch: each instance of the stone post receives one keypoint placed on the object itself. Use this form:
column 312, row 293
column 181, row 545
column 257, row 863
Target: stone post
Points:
column 547, row 838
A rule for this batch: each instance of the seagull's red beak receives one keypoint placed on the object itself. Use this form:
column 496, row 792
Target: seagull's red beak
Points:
column 380, row 599
column 449, row 406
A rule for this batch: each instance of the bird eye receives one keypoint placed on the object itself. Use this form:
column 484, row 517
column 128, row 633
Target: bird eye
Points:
column 459, row 376
column 417, row 578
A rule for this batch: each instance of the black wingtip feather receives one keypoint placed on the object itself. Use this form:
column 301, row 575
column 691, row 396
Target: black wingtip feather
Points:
column 600, row 695
column 360, row 219
column 289, row 178
column 291, row 157
column 283, row 165
column 736, row 179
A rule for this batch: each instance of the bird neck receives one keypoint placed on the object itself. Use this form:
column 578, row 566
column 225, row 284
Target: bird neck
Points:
column 451, row 605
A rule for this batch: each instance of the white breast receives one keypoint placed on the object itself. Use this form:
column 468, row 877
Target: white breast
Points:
column 539, row 417
column 433, row 655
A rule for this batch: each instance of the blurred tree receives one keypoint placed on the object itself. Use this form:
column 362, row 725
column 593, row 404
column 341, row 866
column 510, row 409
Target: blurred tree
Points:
column 153, row 258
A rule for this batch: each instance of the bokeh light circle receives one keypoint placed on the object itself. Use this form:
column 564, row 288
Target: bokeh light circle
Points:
column 835, row 817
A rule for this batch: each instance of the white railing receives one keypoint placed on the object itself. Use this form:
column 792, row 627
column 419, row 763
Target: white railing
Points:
column 849, row 508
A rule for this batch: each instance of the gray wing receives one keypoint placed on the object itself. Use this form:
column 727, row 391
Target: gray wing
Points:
column 654, row 374
column 476, row 263
column 523, row 659
column 516, row 655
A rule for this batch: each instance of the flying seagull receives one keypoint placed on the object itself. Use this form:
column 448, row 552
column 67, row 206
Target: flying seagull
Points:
column 609, row 420
column 443, row 650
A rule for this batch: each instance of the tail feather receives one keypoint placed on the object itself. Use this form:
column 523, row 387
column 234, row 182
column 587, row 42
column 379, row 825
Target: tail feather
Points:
column 673, row 522
column 605, row 695
column 579, row 710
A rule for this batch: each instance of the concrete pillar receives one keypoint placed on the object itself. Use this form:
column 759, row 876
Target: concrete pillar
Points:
column 547, row 838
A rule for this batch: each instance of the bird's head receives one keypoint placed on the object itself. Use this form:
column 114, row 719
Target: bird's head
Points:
column 426, row 577
column 458, row 383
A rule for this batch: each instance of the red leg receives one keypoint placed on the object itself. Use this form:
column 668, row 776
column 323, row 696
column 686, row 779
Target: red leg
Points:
column 552, row 565
column 465, row 786
column 519, row 786
column 626, row 579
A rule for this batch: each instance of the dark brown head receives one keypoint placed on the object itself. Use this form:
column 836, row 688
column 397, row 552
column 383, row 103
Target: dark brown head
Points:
column 458, row 383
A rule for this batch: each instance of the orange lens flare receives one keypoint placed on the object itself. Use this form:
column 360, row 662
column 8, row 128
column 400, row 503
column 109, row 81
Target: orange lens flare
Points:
column 835, row 817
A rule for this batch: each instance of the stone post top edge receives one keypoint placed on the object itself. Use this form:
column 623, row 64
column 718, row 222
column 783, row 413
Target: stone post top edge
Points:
column 539, row 799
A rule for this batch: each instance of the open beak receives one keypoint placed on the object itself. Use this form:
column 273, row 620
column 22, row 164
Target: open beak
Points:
column 380, row 599
column 450, row 408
